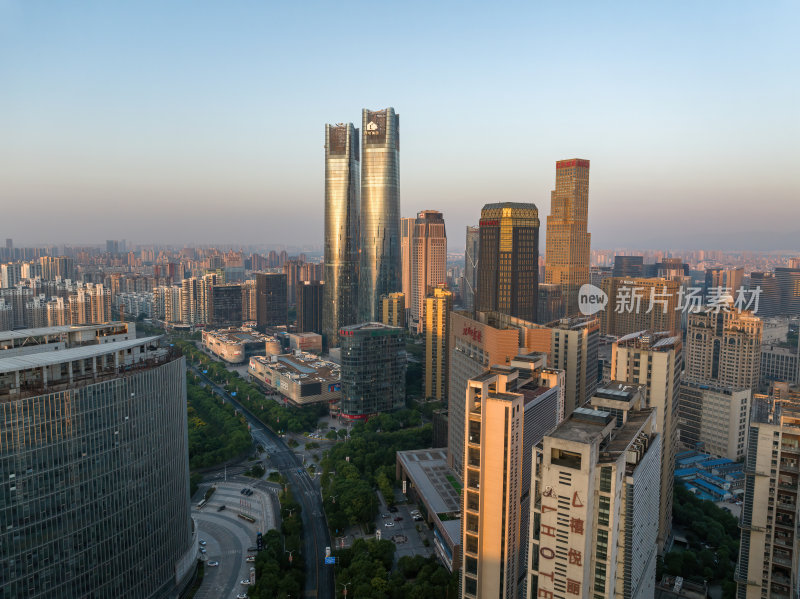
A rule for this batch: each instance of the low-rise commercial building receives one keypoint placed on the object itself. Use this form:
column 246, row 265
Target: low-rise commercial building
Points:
column 235, row 345
column 300, row 378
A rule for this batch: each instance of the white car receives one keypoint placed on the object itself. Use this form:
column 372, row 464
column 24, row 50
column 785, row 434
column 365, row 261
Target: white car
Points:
column 241, row 596
column 245, row 581
column 388, row 524
column 202, row 543
column 250, row 558
column 213, row 564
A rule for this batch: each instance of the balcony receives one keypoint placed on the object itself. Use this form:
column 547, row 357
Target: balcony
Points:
column 789, row 467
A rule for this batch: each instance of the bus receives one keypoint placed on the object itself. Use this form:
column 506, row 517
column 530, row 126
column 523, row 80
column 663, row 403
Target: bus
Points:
column 248, row 518
column 201, row 504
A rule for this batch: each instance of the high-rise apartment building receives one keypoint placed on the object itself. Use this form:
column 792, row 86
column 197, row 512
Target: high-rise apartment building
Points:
column 271, row 305
column 788, row 283
column 342, row 208
column 509, row 410
column 393, row 309
column 95, row 467
column 373, row 370
column 571, row 345
column 226, row 305
column 291, row 269
column 469, row 286
column 770, row 544
column 594, row 493
column 725, row 280
column 438, row 305
column 655, row 360
column 380, row 210
column 406, row 243
column 428, row 262
column 723, row 347
column 309, row 306
column 508, row 266
column 640, row 304
column 568, row 240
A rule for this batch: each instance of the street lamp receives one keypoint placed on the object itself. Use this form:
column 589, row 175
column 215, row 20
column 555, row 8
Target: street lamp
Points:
column 290, row 554
column 345, row 585
column 333, row 498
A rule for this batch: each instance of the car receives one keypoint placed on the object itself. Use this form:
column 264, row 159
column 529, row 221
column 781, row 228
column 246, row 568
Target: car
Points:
column 242, row 491
column 388, row 524
column 299, row 471
column 213, row 564
column 393, row 509
column 398, row 519
column 386, row 516
column 245, row 581
column 417, row 518
column 202, row 549
column 220, row 508
column 250, row 558
column 202, row 543
column 241, row 596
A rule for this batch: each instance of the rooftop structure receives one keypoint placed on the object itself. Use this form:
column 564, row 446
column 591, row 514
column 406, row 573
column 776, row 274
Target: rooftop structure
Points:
column 300, row 378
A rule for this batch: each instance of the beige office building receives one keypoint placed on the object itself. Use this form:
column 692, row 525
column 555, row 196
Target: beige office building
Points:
column 724, row 348
column 640, row 304
column 655, row 360
column 595, row 492
column 438, row 306
column 713, row 419
column 568, row 240
column 406, row 243
column 769, row 546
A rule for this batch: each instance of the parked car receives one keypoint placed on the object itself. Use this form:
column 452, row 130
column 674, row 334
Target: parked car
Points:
column 388, row 524
column 213, row 564
column 386, row 516
column 245, row 581
column 250, row 558
column 241, row 596
column 202, row 543
column 202, row 549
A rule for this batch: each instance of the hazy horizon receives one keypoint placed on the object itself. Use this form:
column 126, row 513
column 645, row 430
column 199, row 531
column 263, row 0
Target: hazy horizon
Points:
column 202, row 123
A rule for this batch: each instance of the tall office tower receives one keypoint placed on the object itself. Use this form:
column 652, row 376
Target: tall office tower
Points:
column 271, row 308
column 438, row 305
column 572, row 346
column 342, row 206
column 373, row 370
column 724, row 348
column 309, row 306
column 628, row 266
column 769, row 296
column 595, row 491
column 226, row 306
column 112, row 246
column 568, row 240
column 469, row 288
column 597, row 274
column 292, row 271
column 249, row 311
column 393, row 309
column 380, row 210
column 723, row 279
column 713, row 419
column 474, row 346
column 509, row 410
column 671, row 268
column 95, row 468
column 655, row 360
column 551, row 303
column 639, row 304
column 406, row 242
column 768, row 565
column 794, row 262
column 9, row 249
column 428, row 262
column 312, row 271
column 788, row 282
column 508, row 266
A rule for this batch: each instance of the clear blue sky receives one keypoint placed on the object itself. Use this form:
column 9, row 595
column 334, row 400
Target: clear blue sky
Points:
column 193, row 121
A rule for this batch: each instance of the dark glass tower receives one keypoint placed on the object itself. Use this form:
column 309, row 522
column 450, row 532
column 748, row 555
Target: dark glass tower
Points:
column 508, row 266
column 380, row 272
column 342, row 193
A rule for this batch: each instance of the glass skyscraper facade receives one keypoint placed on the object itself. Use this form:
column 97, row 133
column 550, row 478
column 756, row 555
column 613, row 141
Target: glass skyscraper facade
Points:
column 373, row 370
column 380, row 272
column 508, row 265
column 342, row 205
column 94, row 473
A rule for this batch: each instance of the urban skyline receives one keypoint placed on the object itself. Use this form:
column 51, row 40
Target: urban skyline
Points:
column 179, row 147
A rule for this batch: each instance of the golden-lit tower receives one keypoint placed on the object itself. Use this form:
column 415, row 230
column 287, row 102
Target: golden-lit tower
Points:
column 568, row 241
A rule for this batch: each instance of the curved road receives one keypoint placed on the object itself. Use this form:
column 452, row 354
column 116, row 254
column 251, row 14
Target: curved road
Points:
column 319, row 578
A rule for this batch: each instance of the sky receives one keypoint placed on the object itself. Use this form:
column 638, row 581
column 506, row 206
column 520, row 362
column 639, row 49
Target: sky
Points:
column 193, row 122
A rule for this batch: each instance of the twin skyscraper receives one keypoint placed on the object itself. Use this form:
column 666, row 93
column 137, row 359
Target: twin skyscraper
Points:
column 362, row 219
